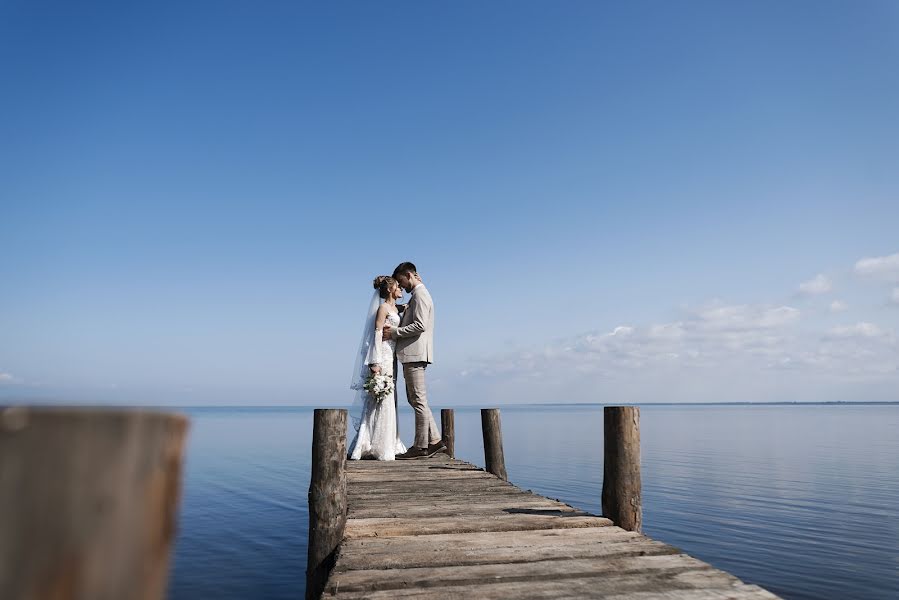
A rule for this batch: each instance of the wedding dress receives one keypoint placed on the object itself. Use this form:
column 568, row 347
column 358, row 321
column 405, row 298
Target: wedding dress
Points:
column 377, row 428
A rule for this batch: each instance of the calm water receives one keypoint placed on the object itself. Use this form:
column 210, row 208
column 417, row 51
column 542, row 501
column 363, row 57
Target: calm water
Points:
column 799, row 499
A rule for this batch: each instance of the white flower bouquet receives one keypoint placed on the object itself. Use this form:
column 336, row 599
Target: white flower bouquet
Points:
column 380, row 386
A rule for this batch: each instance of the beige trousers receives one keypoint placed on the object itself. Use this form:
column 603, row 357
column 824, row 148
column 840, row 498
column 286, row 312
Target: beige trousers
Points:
column 426, row 431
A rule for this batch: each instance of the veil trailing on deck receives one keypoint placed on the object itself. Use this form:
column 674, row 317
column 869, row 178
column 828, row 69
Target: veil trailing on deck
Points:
column 363, row 355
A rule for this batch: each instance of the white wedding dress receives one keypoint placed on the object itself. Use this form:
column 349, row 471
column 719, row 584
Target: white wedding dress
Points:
column 377, row 428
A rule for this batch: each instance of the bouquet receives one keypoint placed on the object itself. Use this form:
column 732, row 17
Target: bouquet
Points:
column 380, row 386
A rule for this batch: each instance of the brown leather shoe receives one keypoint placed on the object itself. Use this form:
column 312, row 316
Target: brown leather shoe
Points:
column 436, row 447
column 413, row 452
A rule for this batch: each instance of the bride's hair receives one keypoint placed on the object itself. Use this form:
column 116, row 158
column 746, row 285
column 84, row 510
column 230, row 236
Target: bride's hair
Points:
column 382, row 284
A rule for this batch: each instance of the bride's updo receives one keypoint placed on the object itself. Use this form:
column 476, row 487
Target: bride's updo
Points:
column 382, row 283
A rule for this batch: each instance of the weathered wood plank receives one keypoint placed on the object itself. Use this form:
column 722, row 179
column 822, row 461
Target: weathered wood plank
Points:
column 474, row 509
column 388, row 579
column 736, row 592
column 447, row 556
column 441, row 498
column 437, row 497
column 380, row 527
column 712, row 583
column 367, row 466
column 401, row 487
column 497, row 539
column 416, row 466
column 422, row 477
column 436, row 460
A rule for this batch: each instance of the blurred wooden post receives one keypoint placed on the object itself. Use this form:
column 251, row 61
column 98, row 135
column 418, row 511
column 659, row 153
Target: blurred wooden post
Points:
column 493, row 442
column 448, row 431
column 621, row 486
column 327, row 496
column 88, row 502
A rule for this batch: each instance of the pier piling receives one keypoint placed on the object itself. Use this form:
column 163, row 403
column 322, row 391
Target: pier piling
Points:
column 448, row 431
column 88, row 502
column 493, row 442
column 621, row 485
column 327, row 495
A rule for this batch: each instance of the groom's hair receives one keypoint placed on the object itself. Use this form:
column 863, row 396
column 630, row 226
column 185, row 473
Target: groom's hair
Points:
column 405, row 267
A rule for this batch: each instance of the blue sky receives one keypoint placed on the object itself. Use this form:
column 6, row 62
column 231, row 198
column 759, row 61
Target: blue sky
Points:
column 648, row 201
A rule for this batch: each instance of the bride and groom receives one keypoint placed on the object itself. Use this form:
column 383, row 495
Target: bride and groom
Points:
column 395, row 332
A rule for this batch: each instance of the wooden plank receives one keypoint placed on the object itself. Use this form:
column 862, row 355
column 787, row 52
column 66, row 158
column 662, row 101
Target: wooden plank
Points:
column 420, row 488
column 438, row 460
column 736, row 592
column 387, row 579
column 440, row 498
column 461, row 556
column 473, row 509
column 431, row 468
column 437, row 496
column 437, row 467
column 406, row 487
column 380, row 527
column 493, row 539
column 715, row 584
column 357, row 478
column 448, row 477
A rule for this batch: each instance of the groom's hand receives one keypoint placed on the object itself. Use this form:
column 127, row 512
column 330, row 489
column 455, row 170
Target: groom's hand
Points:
column 387, row 332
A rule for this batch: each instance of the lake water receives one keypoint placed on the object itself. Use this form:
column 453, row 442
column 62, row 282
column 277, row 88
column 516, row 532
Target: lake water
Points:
column 800, row 499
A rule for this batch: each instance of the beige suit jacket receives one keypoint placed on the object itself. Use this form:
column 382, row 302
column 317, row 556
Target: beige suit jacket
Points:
column 415, row 334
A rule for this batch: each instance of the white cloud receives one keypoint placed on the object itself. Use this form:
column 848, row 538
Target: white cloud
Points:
column 703, row 338
column 838, row 306
column 744, row 316
column 716, row 352
column 6, row 378
column 861, row 329
column 883, row 267
column 817, row 285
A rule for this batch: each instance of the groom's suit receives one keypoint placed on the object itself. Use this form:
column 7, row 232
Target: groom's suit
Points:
column 415, row 349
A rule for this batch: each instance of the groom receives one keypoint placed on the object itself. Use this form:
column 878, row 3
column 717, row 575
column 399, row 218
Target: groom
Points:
column 415, row 349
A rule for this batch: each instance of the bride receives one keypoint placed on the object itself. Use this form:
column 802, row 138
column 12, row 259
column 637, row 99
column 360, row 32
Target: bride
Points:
column 377, row 428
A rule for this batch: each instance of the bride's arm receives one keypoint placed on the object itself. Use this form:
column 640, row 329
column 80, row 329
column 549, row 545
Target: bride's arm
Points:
column 374, row 357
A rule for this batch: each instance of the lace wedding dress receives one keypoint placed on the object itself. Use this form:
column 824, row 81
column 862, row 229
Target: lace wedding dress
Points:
column 377, row 434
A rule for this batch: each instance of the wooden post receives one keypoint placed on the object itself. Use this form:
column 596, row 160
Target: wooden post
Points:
column 493, row 442
column 448, row 431
column 327, row 496
column 621, row 487
column 88, row 502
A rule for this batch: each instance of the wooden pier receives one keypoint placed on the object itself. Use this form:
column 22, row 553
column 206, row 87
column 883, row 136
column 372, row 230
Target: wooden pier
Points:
column 444, row 528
